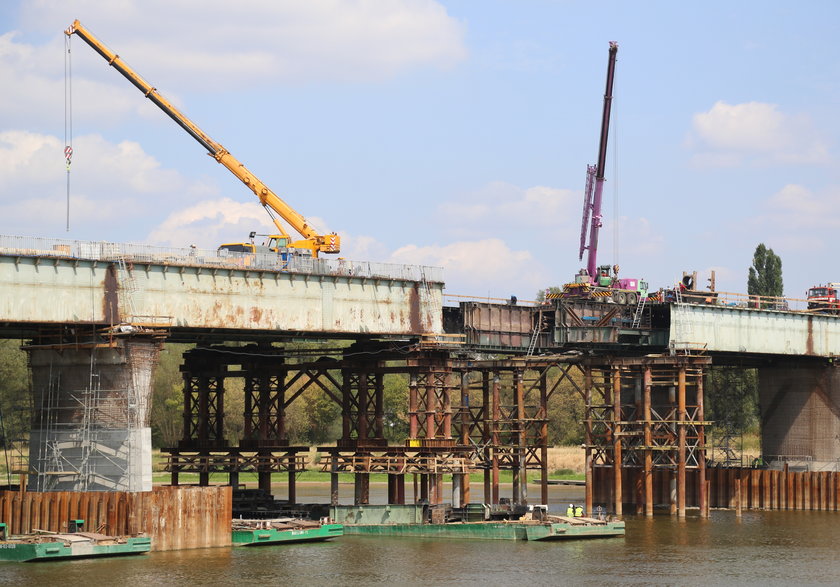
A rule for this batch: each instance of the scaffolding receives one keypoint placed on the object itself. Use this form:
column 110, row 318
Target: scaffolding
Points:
column 90, row 415
column 84, row 439
column 645, row 432
column 463, row 416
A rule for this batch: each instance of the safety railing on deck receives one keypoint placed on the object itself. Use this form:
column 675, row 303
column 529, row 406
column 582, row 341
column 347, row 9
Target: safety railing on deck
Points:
column 456, row 299
column 674, row 295
column 737, row 300
column 289, row 260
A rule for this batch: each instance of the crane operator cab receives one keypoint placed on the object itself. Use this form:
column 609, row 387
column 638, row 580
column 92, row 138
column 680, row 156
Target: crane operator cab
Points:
column 250, row 253
column 272, row 244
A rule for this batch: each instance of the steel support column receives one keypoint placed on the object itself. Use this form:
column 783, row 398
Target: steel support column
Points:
column 682, row 416
column 648, row 450
column 616, row 432
column 703, row 487
column 588, row 440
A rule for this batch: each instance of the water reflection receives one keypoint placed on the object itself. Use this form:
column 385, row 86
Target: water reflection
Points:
column 761, row 548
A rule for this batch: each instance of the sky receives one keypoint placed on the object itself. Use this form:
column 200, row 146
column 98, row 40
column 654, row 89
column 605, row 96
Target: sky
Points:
column 453, row 134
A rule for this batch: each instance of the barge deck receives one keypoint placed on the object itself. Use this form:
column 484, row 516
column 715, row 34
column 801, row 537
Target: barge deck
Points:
column 38, row 547
column 282, row 531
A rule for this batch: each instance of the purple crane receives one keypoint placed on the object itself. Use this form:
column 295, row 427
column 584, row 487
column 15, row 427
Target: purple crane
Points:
column 595, row 179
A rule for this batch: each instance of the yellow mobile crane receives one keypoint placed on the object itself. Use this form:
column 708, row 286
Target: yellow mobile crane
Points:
column 313, row 241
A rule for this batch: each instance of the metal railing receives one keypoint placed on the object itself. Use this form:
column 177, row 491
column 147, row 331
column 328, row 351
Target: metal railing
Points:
column 737, row 300
column 288, row 260
column 675, row 295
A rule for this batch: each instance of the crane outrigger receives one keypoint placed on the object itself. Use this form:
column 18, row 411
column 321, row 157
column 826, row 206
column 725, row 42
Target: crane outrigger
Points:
column 313, row 241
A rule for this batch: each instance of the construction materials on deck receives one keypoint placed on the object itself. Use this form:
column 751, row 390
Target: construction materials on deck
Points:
column 419, row 521
column 506, row 530
column 44, row 546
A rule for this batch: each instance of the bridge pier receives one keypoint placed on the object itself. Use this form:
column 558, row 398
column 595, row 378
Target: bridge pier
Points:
column 264, row 448
column 645, row 421
column 462, row 416
column 431, row 387
column 800, row 413
column 90, row 429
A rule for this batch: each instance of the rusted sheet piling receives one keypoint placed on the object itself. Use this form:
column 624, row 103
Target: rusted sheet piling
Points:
column 175, row 518
column 731, row 487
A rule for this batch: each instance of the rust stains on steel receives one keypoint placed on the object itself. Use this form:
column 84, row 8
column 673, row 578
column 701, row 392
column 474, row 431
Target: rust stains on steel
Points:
column 175, row 518
column 414, row 308
column 809, row 343
column 760, row 489
column 111, row 304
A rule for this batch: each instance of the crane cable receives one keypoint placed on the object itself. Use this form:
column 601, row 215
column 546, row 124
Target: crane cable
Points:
column 68, row 118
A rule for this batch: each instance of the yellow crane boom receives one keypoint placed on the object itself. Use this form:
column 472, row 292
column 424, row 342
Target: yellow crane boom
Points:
column 315, row 242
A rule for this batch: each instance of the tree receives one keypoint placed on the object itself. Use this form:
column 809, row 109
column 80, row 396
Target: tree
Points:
column 731, row 395
column 765, row 276
column 15, row 400
column 167, row 419
column 553, row 289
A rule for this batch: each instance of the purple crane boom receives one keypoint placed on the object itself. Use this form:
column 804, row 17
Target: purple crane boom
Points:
column 594, row 190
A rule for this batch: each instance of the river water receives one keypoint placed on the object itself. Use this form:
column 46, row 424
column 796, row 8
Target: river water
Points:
column 760, row 548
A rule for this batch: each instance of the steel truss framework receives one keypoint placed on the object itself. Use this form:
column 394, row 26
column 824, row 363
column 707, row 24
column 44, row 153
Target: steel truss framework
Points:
column 463, row 417
column 644, row 415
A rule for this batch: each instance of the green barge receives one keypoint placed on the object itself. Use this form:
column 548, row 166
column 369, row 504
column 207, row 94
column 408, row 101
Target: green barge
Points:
column 512, row 530
column 412, row 521
column 282, row 531
column 72, row 545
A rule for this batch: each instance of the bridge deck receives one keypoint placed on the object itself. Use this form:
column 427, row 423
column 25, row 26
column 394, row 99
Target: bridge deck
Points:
column 191, row 290
column 715, row 328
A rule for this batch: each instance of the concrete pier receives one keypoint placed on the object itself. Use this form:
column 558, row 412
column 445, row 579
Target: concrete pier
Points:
column 90, row 430
column 800, row 413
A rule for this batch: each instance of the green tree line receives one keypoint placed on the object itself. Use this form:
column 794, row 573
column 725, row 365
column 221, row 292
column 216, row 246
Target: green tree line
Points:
column 314, row 418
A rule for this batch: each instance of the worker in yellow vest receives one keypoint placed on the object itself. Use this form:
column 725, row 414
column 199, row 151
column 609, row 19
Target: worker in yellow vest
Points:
column 570, row 511
column 578, row 512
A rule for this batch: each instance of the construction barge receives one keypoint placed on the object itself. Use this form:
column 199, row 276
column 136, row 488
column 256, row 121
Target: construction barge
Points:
column 475, row 522
column 45, row 546
column 282, row 531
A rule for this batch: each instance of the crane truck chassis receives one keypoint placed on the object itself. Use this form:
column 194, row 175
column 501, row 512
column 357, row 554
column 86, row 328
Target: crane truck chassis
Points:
column 606, row 286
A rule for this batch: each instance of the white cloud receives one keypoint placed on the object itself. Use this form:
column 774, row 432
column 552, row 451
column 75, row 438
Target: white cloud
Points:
column 479, row 267
column 802, row 222
column 639, row 239
column 113, row 186
column 32, row 77
column 362, row 247
column 795, row 207
column 264, row 42
column 514, row 212
column 512, row 240
column 754, row 132
column 209, row 223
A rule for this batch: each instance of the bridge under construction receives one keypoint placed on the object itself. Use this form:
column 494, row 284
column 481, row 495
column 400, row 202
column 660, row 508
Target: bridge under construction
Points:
column 480, row 376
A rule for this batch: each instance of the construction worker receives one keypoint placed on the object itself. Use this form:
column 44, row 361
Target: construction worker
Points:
column 570, row 511
column 578, row 512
